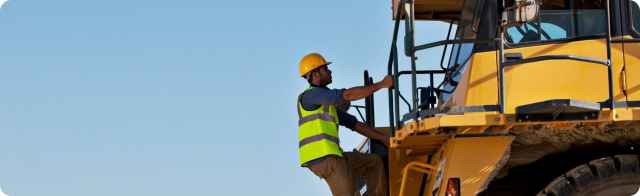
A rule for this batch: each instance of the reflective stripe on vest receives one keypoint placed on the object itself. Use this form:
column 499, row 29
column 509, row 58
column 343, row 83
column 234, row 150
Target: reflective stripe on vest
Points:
column 317, row 132
column 323, row 116
column 316, row 138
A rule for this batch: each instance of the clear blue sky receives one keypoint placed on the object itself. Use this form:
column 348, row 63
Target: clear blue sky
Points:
column 158, row 97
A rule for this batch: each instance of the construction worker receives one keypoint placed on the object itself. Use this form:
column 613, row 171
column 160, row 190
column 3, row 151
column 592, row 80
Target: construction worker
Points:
column 320, row 112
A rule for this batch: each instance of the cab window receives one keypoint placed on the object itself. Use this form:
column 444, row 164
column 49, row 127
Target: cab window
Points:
column 634, row 9
column 460, row 55
column 562, row 20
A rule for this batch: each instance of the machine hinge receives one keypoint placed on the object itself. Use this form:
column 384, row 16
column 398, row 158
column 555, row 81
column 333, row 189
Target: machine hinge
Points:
column 623, row 81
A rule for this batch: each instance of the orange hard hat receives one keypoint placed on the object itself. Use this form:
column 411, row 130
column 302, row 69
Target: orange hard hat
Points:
column 311, row 62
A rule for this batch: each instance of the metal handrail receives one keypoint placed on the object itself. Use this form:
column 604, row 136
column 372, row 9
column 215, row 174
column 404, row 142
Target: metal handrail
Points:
column 414, row 80
column 423, row 72
column 394, row 94
column 393, row 60
column 555, row 57
column 447, row 42
column 610, row 69
column 369, row 102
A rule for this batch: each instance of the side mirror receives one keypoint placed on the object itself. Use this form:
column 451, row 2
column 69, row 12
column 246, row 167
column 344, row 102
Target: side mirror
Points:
column 523, row 11
column 409, row 41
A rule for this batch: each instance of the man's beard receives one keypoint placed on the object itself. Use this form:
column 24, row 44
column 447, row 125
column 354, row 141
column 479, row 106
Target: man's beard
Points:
column 328, row 82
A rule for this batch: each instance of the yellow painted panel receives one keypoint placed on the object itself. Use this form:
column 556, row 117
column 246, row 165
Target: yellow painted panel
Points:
column 632, row 56
column 473, row 160
column 473, row 119
column 623, row 114
column 482, row 87
column 545, row 80
column 535, row 82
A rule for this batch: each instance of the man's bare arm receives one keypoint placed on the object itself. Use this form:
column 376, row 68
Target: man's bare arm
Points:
column 372, row 133
column 356, row 93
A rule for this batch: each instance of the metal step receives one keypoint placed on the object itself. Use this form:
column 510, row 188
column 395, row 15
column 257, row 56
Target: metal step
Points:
column 558, row 109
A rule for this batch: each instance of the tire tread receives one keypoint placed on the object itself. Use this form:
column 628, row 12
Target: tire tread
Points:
column 582, row 177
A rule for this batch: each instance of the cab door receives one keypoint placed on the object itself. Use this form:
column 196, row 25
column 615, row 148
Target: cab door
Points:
column 564, row 27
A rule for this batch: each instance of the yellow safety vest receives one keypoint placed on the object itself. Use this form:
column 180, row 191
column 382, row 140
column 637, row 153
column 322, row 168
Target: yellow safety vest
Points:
column 317, row 132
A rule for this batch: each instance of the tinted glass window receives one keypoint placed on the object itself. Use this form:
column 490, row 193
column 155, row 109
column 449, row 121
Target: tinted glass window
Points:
column 635, row 14
column 562, row 20
column 460, row 54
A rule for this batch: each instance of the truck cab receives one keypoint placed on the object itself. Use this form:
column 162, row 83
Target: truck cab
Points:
column 537, row 97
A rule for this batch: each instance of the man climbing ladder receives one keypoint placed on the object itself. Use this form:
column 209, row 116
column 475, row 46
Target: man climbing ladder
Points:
column 320, row 111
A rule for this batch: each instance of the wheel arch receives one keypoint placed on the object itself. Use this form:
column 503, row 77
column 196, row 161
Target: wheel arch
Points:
column 530, row 178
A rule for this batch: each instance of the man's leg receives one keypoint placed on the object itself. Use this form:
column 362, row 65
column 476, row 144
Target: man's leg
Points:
column 335, row 172
column 370, row 168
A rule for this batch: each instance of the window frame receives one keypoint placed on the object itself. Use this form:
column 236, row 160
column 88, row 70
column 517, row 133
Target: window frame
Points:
column 568, row 39
column 634, row 32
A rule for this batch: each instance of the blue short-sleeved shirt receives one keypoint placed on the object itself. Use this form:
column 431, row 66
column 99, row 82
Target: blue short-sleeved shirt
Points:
column 313, row 98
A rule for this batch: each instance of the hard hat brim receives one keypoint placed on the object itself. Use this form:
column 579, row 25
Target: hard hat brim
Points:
column 326, row 64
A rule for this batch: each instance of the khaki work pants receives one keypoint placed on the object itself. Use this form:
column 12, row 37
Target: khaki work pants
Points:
column 341, row 173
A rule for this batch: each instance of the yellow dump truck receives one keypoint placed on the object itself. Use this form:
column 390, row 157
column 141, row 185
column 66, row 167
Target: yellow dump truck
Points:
column 534, row 97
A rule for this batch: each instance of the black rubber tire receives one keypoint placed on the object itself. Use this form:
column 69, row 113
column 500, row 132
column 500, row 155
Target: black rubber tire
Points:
column 611, row 176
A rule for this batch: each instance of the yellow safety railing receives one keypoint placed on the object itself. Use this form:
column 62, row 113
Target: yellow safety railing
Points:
column 416, row 166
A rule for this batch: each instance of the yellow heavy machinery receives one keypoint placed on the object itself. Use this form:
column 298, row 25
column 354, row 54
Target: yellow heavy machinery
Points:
column 539, row 97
